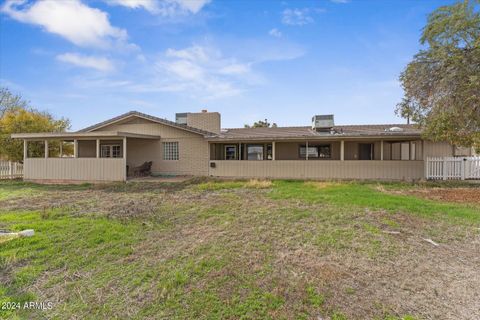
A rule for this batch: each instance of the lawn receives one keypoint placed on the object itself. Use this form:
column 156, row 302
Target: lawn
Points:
column 206, row 249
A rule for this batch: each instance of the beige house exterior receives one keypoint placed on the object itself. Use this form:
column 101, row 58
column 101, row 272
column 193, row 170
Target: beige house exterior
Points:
column 195, row 145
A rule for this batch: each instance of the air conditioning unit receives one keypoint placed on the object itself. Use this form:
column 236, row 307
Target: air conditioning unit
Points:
column 181, row 118
column 323, row 122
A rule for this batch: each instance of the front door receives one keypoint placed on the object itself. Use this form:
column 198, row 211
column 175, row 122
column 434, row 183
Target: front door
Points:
column 365, row 151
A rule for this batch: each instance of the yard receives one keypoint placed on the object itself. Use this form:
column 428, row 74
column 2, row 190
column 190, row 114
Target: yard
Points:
column 206, row 249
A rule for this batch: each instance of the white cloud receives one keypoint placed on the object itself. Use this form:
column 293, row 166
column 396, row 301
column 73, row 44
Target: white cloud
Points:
column 202, row 72
column 300, row 17
column 202, row 69
column 98, row 63
column 193, row 6
column 275, row 33
column 80, row 24
column 235, row 69
column 297, row 17
column 149, row 5
column 163, row 7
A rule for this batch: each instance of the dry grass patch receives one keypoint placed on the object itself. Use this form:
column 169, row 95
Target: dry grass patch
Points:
column 321, row 184
column 258, row 184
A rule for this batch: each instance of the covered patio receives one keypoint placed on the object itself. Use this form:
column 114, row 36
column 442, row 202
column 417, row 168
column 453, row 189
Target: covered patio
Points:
column 320, row 158
column 86, row 156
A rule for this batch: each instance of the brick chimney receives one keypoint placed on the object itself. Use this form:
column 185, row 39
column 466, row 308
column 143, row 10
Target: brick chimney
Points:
column 204, row 120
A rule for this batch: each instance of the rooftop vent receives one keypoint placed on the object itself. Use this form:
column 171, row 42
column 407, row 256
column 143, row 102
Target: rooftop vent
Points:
column 394, row 129
column 323, row 122
column 181, row 118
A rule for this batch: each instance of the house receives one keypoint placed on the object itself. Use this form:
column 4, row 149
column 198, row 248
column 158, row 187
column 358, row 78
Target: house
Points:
column 196, row 145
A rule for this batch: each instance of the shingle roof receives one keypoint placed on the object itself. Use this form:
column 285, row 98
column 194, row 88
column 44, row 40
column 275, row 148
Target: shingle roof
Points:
column 279, row 132
column 149, row 117
column 308, row 132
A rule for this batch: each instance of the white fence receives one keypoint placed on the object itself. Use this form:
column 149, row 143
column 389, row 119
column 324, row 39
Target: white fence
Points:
column 10, row 170
column 452, row 168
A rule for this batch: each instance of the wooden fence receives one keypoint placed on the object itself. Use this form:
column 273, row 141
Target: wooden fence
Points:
column 10, row 170
column 452, row 168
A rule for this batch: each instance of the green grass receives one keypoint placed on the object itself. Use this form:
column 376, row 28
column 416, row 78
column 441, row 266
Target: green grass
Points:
column 365, row 196
column 190, row 253
column 61, row 242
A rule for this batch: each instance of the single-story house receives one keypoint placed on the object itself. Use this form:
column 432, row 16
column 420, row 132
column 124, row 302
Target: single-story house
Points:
column 195, row 144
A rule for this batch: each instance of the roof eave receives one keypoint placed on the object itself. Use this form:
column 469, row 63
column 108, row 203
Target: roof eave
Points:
column 336, row 137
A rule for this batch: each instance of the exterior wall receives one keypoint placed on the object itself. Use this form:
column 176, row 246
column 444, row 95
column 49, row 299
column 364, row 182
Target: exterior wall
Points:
column 437, row 149
column 208, row 121
column 193, row 148
column 86, row 148
column 291, row 169
column 74, row 169
column 463, row 152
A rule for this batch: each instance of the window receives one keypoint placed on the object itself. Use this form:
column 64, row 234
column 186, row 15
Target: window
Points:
column 170, row 151
column 365, row 151
column 110, row 151
column 269, row 152
column 255, row 152
column 231, row 152
column 323, row 151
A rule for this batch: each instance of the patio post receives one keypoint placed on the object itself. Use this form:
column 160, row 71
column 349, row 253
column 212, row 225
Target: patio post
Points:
column 25, row 150
column 342, row 150
column 75, row 148
column 381, row 150
column 306, row 150
column 273, row 150
column 125, row 157
column 97, row 152
column 46, row 149
column 61, row 149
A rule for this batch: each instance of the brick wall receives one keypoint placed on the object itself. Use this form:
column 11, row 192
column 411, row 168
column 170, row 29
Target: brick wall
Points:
column 208, row 121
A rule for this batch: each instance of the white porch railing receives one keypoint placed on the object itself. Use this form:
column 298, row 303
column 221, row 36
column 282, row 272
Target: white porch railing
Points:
column 10, row 170
column 452, row 168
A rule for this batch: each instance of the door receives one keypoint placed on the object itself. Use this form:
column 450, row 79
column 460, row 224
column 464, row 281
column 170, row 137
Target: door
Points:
column 365, row 151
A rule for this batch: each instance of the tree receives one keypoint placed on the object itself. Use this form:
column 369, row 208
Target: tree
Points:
column 262, row 124
column 442, row 83
column 10, row 101
column 18, row 116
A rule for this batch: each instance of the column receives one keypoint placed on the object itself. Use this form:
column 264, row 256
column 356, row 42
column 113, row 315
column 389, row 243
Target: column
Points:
column 381, row 150
column 98, row 149
column 75, row 148
column 306, row 150
column 342, row 150
column 46, row 149
column 25, row 150
column 273, row 150
column 125, row 157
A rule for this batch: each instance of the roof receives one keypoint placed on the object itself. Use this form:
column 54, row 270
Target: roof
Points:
column 75, row 135
column 148, row 117
column 381, row 130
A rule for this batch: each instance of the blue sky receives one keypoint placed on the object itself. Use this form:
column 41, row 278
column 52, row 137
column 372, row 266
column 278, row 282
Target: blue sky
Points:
column 249, row 60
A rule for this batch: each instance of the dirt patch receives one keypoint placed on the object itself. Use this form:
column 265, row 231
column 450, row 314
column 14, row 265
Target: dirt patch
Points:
column 458, row 195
